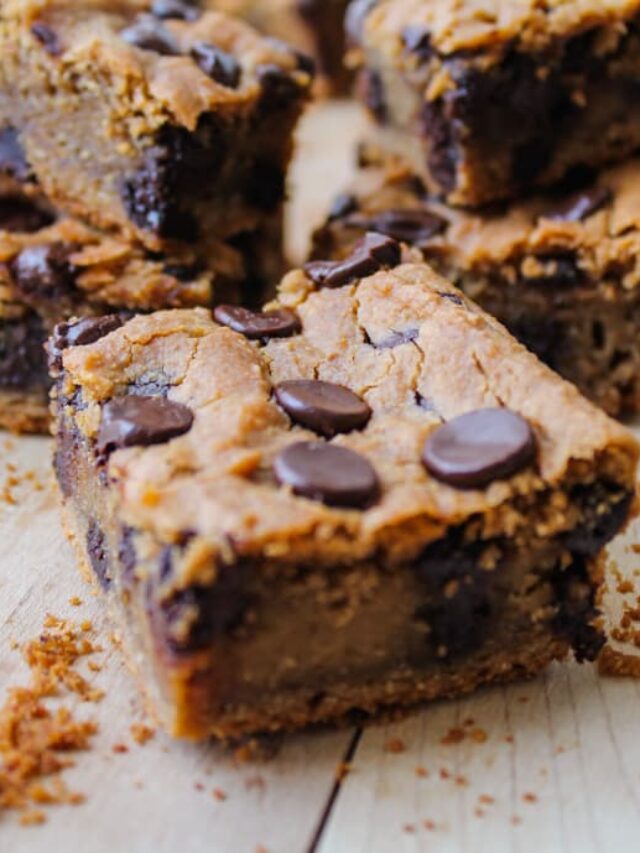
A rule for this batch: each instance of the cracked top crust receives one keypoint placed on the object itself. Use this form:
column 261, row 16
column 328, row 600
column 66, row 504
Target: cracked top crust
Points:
column 216, row 480
column 525, row 240
column 153, row 86
column 494, row 26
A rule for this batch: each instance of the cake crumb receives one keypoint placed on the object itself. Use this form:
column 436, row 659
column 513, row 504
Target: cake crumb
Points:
column 529, row 797
column 478, row 736
column 219, row 795
column 617, row 664
column 120, row 748
column 395, row 745
column 422, row 772
column 409, row 828
column 486, row 799
column 342, row 770
column 453, row 736
column 429, row 825
column 75, row 601
column 142, row 733
column 35, row 739
column 255, row 782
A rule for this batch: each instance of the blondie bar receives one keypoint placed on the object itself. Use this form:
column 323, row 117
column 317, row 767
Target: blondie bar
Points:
column 54, row 267
column 366, row 496
column 169, row 126
column 561, row 271
column 487, row 100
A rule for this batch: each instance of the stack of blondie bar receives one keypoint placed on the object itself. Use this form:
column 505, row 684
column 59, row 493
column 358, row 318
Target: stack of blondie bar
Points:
column 365, row 493
column 143, row 154
column 504, row 152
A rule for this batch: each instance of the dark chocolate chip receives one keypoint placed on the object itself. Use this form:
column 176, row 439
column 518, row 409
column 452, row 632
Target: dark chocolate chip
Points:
column 415, row 227
column 444, row 150
column 148, row 33
column 258, row 325
column 324, row 407
column 141, row 421
column 217, row 64
column 127, row 556
column 184, row 10
column 98, row 554
column 193, row 618
column 45, row 271
column 603, row 516
column 278, row 86
column 396, row 339
column 13, row 160
column 459, row 608
column 451, row 297
column 47, row 37
column 333, row 475
column 79, row 333
column 576, row 619
column 417, row 40
column 22, row 358
column 369, row 255
column 581, row 205
column 21, row 215
column 342, row 206
column 473, row 450
column 355, row 20
column 265, row 185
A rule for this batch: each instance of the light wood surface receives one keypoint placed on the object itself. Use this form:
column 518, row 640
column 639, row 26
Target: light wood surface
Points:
column 559, row 769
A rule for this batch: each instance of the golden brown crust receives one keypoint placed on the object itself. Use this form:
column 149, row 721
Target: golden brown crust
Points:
column 216, row 479
column 498, row 25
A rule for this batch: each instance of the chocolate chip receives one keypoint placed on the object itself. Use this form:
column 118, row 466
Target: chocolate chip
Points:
column 370, row 254
column 459, row 607
column 451, row 297
column 181, row 9
column 444, row 150
column 258, row 325
column 98, row 554
column 333, row 475
column 45, row 271
column 141, row 421
column 148, row 33
column 604, row 513
column 342, row 206
column 22, row 358
column 47, row 38
column 13, row 161
column 396, row 339
column 581, row 205
column 279, row 87
column 21, row 215
column 265, row 185
column 473, row 450
column 217, row 64
column 324, row 407
column 417, row 40
column 355, row 19
column 79, row 333
column 576, row 619
column 415, row 227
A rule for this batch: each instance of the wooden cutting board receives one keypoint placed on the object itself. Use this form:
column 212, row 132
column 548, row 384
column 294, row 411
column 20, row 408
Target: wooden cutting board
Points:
column 550, row 765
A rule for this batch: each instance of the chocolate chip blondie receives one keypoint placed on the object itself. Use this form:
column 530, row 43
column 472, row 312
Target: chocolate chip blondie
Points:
column 559, row 270
column 367, row 495
column 487, row 100
column 54, row 267
column 169, row 123
column 314, row 26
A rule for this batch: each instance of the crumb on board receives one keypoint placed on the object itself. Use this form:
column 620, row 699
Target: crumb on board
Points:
column 35, row 740
column 142, row 733
column 342, row 771
column 395, row 746
column 422, row 772
column 75, row 601
column 219, row 794
column 529, row 797
column 613, row 662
